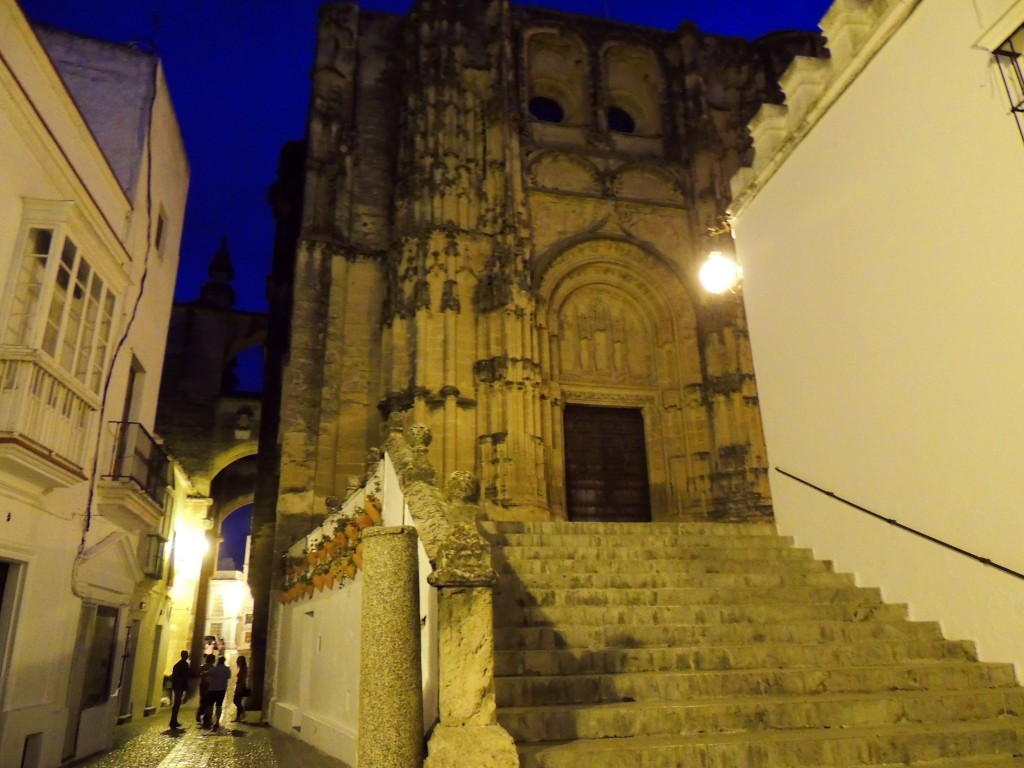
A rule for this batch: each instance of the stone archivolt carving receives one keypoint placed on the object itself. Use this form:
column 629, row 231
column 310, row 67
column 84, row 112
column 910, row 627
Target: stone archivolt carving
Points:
column 647, row 182
column 556, row 218
column 593, row 396
column 649, row 278
column 604, row 337
column 565, row 172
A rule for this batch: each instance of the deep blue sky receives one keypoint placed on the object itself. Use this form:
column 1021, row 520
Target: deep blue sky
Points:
column 238, row 74
column 234, row 531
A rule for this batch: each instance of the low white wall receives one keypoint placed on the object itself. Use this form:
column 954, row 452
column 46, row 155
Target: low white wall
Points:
column 316, row 693
column 318, row 673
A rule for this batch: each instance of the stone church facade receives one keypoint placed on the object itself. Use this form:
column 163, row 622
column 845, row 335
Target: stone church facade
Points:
column 505, row 209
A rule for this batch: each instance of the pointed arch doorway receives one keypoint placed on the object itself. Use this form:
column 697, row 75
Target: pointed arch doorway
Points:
column 606, row 465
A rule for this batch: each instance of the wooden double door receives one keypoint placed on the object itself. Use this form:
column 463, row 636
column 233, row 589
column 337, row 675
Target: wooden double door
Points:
column 606, row 465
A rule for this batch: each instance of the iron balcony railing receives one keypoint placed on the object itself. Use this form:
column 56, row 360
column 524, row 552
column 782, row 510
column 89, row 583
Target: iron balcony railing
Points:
column 141, row 459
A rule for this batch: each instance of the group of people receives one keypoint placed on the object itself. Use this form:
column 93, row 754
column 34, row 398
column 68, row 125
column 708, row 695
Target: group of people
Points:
column 214, row 676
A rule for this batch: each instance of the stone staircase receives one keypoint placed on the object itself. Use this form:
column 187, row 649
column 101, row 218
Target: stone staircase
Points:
column 720, row 645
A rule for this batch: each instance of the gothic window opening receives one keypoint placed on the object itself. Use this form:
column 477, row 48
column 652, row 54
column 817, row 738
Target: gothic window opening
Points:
column 546, row 110
column 1008, row 57
column 620, row 121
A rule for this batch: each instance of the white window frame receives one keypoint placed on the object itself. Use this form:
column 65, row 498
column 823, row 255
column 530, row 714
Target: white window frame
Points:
column 85, row 363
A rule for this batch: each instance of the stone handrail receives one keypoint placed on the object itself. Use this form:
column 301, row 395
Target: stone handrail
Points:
column 468, row 734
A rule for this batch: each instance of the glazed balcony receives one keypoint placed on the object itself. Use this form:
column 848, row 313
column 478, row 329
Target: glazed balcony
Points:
column 133, row 493
column 44, row 425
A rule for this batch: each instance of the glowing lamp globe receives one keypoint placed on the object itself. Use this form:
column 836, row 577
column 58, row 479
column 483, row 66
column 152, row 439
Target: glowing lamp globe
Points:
column 719, row 273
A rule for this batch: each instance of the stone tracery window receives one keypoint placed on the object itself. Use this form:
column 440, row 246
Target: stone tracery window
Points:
column 557, row 76
column 633, row 86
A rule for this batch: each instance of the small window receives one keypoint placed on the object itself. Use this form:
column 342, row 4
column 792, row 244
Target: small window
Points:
column 161, row 231
column 620, row 121
column 151, row 555
column 1008, row 56
column 546, row 110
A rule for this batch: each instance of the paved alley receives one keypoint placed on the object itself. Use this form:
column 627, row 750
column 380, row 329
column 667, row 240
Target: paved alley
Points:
column 149, row 743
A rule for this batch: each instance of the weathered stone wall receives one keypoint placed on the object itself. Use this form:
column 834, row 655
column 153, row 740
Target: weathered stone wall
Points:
column 466, row 265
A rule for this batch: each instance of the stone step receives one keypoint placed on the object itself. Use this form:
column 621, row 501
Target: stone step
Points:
column 683, row 686
column 637, row 615
column 722, row 715
column 729, row 565
column 493, row 528
column 631, row 580
column 685, row 596
column 617, row 554
column 568, row 636
column 723, row 646
column 632, row 540
column 996, row 742
column 720, row 657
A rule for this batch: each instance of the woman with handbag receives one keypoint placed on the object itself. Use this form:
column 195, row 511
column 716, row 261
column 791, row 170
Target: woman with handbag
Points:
column 241, row 689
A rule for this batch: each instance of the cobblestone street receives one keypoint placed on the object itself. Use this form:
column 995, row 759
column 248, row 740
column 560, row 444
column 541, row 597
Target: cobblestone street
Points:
column 149, row 743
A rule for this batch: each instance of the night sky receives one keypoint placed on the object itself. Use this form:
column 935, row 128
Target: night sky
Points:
column 238, row 72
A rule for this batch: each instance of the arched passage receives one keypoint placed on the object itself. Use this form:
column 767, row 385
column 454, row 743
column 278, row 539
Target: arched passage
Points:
column 224, row 605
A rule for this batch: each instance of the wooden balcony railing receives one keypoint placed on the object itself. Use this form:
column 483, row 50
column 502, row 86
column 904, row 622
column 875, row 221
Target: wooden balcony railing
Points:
column 36, row 404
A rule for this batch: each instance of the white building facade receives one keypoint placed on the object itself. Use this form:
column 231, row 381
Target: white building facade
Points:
column 93, row 179
column 880, row 234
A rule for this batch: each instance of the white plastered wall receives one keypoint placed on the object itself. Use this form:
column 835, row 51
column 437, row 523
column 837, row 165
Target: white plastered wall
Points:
column 884, row 284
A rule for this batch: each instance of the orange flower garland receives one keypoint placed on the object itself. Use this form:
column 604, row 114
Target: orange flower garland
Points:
column 335, row 559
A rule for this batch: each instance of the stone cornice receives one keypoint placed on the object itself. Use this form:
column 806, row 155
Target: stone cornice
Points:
column 856, row 31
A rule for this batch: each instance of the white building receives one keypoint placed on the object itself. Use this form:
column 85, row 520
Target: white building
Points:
column 229, row 611
column 93, row 178
column 880, row 233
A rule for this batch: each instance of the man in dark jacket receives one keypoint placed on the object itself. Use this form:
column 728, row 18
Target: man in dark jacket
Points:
column 179, row 684
column 218, row 679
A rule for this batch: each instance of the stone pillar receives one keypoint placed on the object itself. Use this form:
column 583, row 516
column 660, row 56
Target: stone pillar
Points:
column 390, row 686
column 468, row 735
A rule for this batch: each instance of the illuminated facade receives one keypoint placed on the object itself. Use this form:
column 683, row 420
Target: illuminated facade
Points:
column 505, row 230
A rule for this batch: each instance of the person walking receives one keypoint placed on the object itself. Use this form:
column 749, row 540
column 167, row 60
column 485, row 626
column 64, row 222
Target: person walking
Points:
column 204, row 690
column 241, row 689
column 179, row 684
column 218, row 678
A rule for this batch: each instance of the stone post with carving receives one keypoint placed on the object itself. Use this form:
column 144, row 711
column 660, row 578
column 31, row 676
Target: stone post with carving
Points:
column 468, row 735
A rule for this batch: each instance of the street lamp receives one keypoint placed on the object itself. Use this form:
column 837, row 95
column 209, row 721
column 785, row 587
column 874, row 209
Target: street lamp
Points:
column 720, row 273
